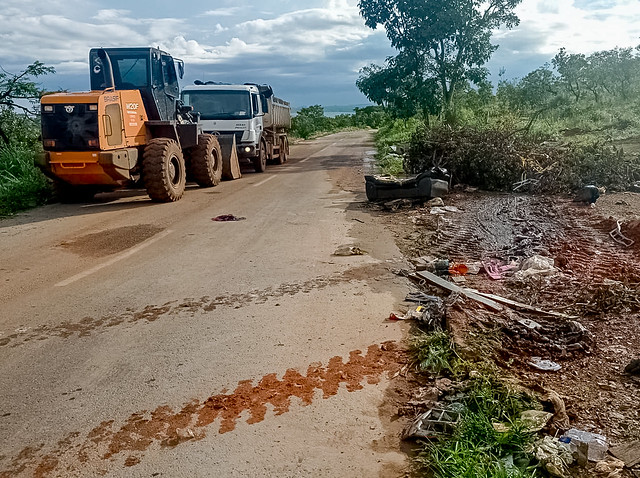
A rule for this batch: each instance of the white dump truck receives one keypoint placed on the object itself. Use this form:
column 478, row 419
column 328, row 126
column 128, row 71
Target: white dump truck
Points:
column 247, row 115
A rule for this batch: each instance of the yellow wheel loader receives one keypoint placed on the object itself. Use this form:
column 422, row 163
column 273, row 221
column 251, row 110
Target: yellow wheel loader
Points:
column 131, row 128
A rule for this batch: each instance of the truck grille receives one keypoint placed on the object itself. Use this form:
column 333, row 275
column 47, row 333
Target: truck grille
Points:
column 238, row 134
column 71, row 127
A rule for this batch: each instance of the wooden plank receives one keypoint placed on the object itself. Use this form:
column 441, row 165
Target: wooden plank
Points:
column 445, row 284
column 520, row 305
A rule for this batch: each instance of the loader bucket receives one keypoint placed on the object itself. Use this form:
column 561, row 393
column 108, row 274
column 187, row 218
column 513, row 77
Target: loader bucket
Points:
column 230, row 164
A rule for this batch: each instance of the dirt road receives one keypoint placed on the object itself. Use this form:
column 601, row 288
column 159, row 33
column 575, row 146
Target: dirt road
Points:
column 142, row 339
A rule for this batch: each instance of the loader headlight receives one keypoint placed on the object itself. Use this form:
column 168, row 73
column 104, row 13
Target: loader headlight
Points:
column 93, row 107
column 47, row 108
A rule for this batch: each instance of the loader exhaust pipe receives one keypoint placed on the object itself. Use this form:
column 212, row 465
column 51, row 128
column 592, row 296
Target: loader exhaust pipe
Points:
column 108, row 68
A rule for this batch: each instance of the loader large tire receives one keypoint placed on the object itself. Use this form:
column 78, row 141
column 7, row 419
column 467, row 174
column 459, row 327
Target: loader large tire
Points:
column 260, row 161
column 206, row 161
column 163, row 170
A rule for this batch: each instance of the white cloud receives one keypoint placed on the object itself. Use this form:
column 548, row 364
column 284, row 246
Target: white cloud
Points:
column 308, row 33
column 598, row 25
column 223, row 12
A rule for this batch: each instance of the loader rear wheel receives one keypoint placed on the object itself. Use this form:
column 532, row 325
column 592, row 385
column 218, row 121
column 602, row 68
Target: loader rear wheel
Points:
column 260, row 161
column 163, row 170
column 206, row 161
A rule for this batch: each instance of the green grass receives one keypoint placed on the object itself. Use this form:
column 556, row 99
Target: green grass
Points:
column 476, row 449
column 433, row 352
column 22, row 185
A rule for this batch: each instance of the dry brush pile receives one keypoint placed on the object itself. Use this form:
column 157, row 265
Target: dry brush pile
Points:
column 495, row 159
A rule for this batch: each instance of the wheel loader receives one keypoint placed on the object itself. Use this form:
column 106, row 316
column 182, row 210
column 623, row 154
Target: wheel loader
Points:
column 131, row 128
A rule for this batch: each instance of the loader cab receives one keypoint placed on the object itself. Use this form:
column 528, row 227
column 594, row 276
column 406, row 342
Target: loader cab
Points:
column 151, row 71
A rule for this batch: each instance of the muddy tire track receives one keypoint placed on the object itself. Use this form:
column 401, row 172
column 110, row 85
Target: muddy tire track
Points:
column 168, row 428
column 189, row 306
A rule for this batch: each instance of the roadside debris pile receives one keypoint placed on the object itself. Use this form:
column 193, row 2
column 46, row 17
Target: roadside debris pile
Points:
column 429, row 184
column 549, row 292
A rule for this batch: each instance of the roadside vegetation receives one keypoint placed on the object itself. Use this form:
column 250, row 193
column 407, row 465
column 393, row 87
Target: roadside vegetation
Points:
column 311, row 121
column 566, row 124
column 490, row 439
column 22, row 185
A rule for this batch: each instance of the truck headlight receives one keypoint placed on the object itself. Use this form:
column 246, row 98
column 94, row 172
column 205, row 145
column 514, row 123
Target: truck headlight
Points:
column 247, row 149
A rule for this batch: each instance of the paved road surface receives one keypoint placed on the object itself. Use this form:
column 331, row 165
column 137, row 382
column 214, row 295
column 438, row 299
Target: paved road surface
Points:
column 142, row 339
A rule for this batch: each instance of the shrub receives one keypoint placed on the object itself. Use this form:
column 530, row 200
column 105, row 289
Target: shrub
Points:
column 22, row 185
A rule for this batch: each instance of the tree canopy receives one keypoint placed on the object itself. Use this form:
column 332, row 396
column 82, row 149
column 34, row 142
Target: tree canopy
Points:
column 446, row 42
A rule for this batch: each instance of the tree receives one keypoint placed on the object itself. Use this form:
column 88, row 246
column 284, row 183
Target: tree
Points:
column 448, row 41
column 400, row 86
column 572, row 69
column 18, row 90
column 308, row 121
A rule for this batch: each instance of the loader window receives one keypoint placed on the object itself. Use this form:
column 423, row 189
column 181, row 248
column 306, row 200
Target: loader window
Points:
column 170, row 77
column 130, row 73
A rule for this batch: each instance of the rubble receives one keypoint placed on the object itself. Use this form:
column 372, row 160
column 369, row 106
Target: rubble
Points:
column 434, row 423
column 569, row 295
column 590, row 445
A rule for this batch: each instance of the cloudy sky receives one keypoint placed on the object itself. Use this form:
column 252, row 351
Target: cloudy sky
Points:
column 310, row 51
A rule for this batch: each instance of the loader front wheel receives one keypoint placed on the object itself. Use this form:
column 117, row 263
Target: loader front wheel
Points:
column 260, row 161
column 206, row 161
column 163, row 170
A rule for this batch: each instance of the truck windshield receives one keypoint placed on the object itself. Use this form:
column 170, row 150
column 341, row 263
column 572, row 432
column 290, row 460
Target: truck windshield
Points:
column 219, row 104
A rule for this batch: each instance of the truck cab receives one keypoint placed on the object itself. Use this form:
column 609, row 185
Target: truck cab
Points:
column 229, row 110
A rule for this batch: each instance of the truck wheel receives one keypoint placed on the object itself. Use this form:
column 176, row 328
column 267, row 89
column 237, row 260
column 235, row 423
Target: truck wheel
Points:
column 163, row 170
column 283, row 151
column 68, row 193
column 206, row 161
column 260, row 161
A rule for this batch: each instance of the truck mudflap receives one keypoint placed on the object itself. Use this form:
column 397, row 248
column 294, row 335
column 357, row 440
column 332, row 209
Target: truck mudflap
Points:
column 109, row 168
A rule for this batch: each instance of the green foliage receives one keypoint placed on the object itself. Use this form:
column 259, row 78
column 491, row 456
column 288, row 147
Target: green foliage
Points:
column 477, row 450
column 401, row 87
column 311, row 121
column 16, row 91
column 432, row 352
column 443, row 43
column 22, row 185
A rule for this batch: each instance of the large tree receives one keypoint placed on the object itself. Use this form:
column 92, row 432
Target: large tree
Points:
column 449, row 40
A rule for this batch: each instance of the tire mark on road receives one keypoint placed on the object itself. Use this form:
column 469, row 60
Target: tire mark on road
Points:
column 170, row 428
column 150, row 313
